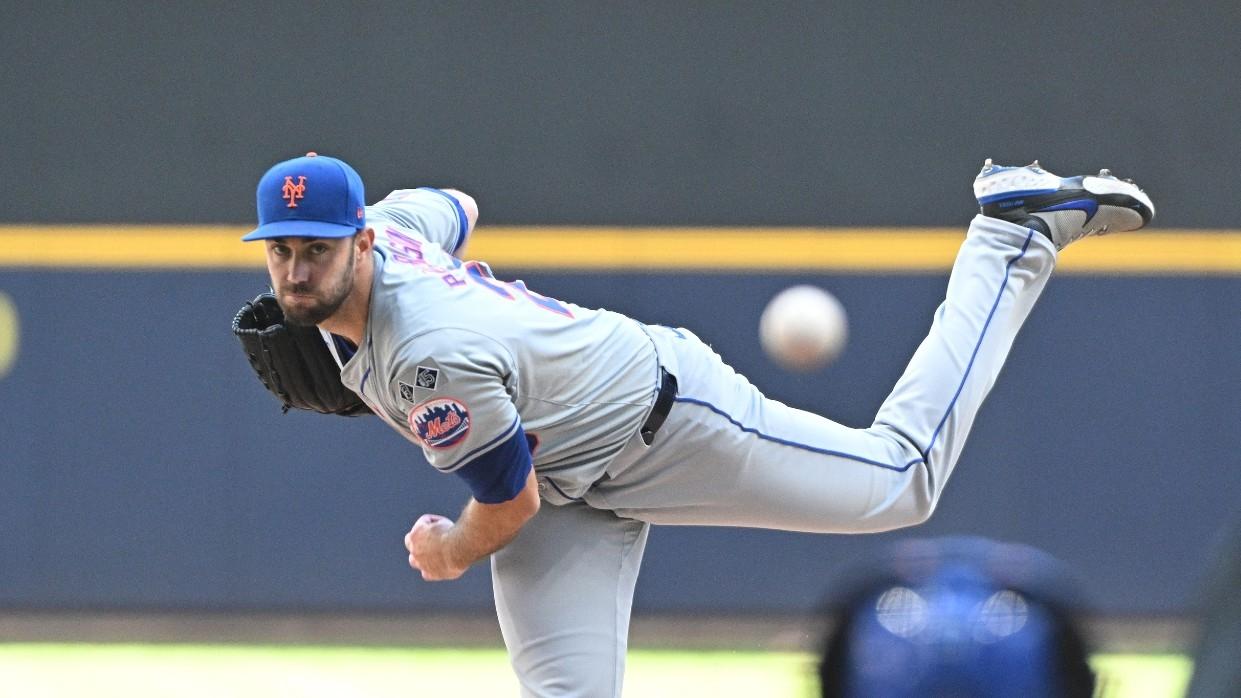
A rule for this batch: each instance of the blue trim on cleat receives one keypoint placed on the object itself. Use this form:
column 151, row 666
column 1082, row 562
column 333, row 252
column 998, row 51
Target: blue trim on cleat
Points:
column 1013, row 194
column 1090, row 206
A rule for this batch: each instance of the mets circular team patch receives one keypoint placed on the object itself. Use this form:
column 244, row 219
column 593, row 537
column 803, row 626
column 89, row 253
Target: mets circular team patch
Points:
column 440, row 423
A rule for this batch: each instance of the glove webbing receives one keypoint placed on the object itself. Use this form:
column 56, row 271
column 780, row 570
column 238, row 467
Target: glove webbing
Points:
column 291, row 361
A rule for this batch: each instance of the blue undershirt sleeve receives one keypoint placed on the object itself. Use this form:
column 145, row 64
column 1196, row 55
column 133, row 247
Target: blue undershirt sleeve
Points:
column 499, row 474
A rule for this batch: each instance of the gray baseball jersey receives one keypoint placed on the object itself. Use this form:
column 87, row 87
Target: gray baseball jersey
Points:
column 473, row 370
column 479, row 373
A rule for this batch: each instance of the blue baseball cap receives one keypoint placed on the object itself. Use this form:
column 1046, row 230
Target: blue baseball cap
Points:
column 311, row 197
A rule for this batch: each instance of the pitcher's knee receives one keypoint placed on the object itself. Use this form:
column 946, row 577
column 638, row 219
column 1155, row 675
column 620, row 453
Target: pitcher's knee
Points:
column 919, row 514
column 909, row 502
column 914, row 490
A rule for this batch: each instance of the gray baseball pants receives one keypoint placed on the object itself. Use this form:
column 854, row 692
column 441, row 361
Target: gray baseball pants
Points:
column 729, row 456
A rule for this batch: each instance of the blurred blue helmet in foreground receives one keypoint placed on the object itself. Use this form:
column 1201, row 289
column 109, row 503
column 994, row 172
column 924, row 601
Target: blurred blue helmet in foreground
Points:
column 959, row 617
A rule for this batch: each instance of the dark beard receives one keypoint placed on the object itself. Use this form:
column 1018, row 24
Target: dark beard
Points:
column 323, row 310
column 315, row 314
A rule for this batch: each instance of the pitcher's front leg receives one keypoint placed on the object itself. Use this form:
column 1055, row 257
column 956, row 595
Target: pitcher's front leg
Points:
column 563, row 591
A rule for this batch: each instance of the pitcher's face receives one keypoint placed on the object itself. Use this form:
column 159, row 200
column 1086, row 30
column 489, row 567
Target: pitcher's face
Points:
column 311, row 277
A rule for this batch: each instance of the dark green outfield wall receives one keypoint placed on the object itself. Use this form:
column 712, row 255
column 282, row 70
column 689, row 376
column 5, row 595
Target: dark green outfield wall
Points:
column 830, row 113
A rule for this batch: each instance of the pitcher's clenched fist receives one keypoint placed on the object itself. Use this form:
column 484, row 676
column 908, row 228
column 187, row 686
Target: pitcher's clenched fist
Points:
column 429, row 550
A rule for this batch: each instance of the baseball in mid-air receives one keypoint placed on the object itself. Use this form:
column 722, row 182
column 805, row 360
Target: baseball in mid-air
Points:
column 803, row 328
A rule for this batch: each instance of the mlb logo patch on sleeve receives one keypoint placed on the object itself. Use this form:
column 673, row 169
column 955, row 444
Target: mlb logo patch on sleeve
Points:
column 440, row 423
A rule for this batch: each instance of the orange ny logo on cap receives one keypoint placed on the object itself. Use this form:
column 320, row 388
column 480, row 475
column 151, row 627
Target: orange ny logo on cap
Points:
column 292, row 191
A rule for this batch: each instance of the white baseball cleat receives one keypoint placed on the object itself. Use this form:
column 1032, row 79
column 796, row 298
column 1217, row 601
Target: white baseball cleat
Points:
column 1065, row 209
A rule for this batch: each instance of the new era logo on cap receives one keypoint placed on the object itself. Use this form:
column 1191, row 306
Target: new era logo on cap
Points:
column 313, row 196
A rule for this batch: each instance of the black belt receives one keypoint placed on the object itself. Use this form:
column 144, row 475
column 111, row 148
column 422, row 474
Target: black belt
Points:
column 663, row 404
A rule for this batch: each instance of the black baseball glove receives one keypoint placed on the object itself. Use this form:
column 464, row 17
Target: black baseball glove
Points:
column 293, row 362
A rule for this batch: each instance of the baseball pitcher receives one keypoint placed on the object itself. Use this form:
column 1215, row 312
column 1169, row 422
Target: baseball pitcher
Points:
column 576, row 429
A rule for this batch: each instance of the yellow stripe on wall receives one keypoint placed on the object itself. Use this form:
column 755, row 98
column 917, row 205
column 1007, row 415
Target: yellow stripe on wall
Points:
column 128, row 246
column 868, row 250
